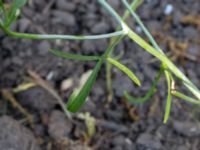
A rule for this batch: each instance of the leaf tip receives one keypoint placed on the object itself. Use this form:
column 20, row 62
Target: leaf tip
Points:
column 138, row 82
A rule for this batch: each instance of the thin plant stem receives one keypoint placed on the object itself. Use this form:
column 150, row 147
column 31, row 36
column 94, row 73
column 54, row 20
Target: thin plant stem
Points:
column 124, row 69
column 109, row 81
column 139, row 21
column 150, row 93
column 184, row 97
column 56, row 36
column 112, row 46
column 116, row 37
column 167, row 74
column 135, row 37
column 169, row 97
column 166, row 61
column 134, row 5
column 155, row 45
column 114, row 14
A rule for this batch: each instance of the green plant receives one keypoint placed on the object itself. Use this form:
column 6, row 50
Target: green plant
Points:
column 78, row 97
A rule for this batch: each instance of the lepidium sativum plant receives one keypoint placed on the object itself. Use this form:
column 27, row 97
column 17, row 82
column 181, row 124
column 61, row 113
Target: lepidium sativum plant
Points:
column 8, row 15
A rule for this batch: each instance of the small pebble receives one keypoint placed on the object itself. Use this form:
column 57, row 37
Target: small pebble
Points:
column 149, row 141
column 50, row 75
column 100, row 28
column 66, row 84
column 37, row 98
column 138, row 29
column 59, row 127
column 189, row 129
column 65, row 5
column 168, row 9
column 64, row 18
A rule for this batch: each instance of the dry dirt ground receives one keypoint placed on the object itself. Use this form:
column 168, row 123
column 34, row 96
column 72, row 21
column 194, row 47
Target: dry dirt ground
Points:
column 40, row 123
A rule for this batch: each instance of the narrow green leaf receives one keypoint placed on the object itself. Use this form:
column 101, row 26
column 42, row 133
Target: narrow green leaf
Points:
column 152, row 50
column 140, row 23
column 73, row 56
column 1, row 5
column 127, row 71
column 12, row 13
column 185, row 97
column 2, row 12
column 73, row 96
column 166, row 61
column 149, row 94
column 77, row 100
column 17, row 4
column 169, row 97
column 134, row 5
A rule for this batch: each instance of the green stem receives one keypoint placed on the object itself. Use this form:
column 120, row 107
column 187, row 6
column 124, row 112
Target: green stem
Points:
column 166, row 61
column 169, row 97
column 2, row 6
column 155, row 45
column 145, row 30
column 139, row 21
column 124, row 69
column 150, row 93
column 134, row 5
column 153, row 51
column 112, row 46
column 61, row 37
column 109, row 81
column 184, row 97
column 114, row 14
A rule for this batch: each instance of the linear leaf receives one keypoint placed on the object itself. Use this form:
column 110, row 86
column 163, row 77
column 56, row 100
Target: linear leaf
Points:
column 195, row 91
column 2, row 13
column 17, row 4
column 127, row 71
column 169, row 97
column 73, row 56
column 134, row 5
column 140, row 23
column 151, row 91
column 185, row 97
column 166, row 61
column 1, row 5
column 84, row 77
column 12, row 14
column 77, row 100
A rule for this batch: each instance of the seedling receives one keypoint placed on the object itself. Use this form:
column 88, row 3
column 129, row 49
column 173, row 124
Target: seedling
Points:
column 78, row 97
